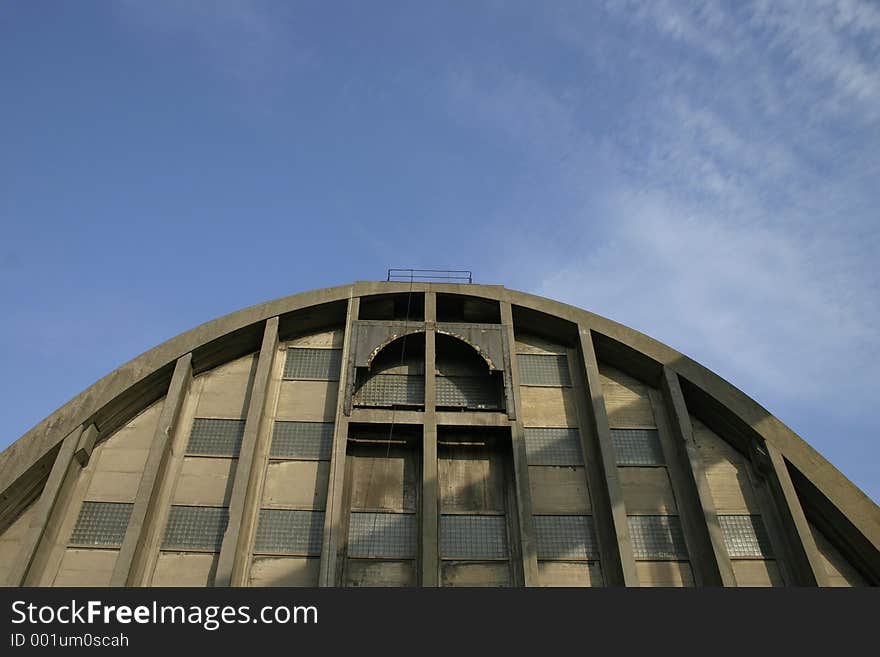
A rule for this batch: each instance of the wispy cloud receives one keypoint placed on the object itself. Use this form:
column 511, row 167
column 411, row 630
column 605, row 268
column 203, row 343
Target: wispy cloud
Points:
column 836, row 43
column 735, row 217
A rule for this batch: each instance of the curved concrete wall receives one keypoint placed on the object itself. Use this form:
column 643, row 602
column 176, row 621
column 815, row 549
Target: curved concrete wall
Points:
column 723, row 463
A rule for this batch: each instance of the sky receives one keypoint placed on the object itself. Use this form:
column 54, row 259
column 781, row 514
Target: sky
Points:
column 707, row 173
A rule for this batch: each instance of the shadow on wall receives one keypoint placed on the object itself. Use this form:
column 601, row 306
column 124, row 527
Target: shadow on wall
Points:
column 820, row 512
column 709, row 412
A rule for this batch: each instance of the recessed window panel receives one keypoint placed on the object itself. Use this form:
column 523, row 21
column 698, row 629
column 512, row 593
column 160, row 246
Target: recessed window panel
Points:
column 637, row 447
column 745, row 536
column 195, row 528
column 553, row 446
column 473, row 537
column 101, row 523
column 391, row 390
column 565, row 537
column 386, row 535
column 657, row 537
column 314, row 364
column 478, row 392
column 286, row 531
column 539, row 370
column 212, row 437
column 311, row 441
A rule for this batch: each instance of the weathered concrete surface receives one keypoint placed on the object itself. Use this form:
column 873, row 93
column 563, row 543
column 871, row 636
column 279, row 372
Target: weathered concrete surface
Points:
column 17, row 459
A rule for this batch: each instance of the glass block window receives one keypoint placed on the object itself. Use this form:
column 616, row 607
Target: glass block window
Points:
column 391, row 390
column 566, row 538
column 657, row 537
column 101, row 523
column 745, row 536
column 195, row 528
column 215, row 437
column 535, row 370
column 473, row 537
column 550, row 446
column 311, row 441
column 314, row 364
column 467, row 392
column 389, row 535
column 285, row 531
column 637, row 447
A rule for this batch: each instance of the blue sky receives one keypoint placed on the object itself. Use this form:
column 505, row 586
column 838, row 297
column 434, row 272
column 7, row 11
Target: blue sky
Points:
column 706, row 173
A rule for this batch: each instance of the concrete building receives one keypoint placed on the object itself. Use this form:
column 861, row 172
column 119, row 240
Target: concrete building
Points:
column 423, row 434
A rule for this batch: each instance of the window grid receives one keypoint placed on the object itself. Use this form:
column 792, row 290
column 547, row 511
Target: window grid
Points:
column 388, row 535
column 211, row 437
column 312, row 441
column 657, row 537
column 195, row 528
column 553, row 446
column 637, row 447
column 286, row 531
column 391, row 390
column 101, row 523
column 566, row 538
column 541, row 370
column 745, row 536
column 473, row 537
column 467, row 392
column 313, row 364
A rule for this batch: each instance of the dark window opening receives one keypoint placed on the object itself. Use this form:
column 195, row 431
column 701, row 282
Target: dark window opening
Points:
column 463, row 308
column 400, row 307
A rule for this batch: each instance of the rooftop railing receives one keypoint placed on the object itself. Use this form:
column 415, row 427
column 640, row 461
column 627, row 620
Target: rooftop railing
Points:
column 430, row 275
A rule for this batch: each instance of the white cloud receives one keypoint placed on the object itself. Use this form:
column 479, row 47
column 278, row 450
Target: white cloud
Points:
column 734, row 220
column 704, row 26
column 834, row 43
column 744, row 300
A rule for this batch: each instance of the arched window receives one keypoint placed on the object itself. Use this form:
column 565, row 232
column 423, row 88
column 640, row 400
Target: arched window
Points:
column 396, row 376
column 464, row 380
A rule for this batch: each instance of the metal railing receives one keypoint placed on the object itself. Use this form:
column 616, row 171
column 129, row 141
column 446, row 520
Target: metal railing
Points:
column 435, row 275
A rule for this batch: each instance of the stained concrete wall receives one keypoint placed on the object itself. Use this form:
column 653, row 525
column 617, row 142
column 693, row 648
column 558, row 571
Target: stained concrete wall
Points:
column 840, row 572
column 647, row 491
column 116, row 465
column 556, row 490
column 295, row 483
column 11, row 540
column 221, row 393
column 112, row 475
column 732, row 482
column 473, row 481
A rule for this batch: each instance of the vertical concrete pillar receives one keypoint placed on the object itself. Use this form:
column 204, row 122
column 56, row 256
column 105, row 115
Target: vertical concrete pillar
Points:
column 86, row 445
column 705, row 527
column 244, row 502
column 430, row 484
column 609, row 554
column 620, row 566
column 690, row 512
column 52, row 504
column 807, row 565
column 141, row 533
column 528, row 543
column 333, row 512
